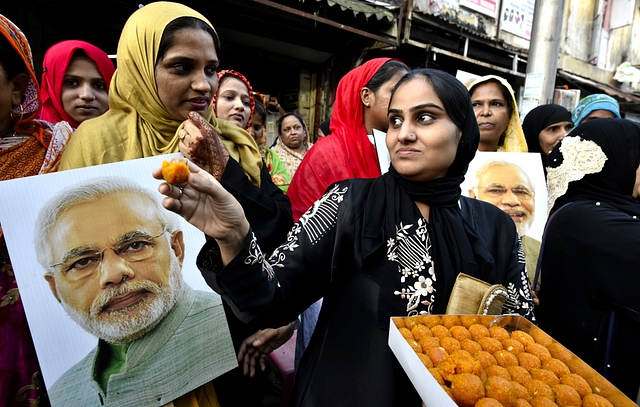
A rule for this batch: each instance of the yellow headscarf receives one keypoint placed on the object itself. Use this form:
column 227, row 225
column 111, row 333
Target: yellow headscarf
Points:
column 514, row 140
column 137, row 124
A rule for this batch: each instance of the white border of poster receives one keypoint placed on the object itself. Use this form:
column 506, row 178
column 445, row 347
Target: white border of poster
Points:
column 487, row 7
column 532, row 165
column 516, row 17
column 61, row 343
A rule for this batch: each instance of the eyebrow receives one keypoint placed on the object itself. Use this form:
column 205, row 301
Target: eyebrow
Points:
column 82, row 250
column 418, row 107
column 94, row 78
column 184, row 58
column 517, row 186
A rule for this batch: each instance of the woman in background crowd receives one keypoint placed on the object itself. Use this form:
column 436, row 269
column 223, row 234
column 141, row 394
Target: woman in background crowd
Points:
column 75, row 82
column 362, row 100
column 496, row 110
column 340, row 249
column 596, row 106
column 27, row 147
column 160, row 102
column 278, row 172
column 292, row 143
column 234, row 101
column 589, row 256
column 544, row 127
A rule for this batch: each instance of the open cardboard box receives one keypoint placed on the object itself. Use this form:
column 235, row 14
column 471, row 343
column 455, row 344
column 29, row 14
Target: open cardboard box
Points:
column 434, row 396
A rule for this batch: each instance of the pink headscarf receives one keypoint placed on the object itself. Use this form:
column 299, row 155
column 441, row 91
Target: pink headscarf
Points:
column 55, row 65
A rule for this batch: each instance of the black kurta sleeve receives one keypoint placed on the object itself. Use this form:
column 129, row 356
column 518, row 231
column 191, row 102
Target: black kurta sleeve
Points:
column 274, row 292
column 498, row 232
column 267, row 208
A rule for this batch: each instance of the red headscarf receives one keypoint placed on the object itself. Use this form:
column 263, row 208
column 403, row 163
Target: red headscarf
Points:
column 55, row 65
column 238, row 75
column 347, row 153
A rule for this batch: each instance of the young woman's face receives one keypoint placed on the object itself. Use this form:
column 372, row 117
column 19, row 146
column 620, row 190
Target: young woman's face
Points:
column 492, row 112
column 380, row 102
column 422, row 140
column 84, row 91
column 551, row 135
column 186, row 75
column 233, row 102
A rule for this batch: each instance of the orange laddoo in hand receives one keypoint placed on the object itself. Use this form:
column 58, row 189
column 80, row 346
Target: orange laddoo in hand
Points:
column 175, row 172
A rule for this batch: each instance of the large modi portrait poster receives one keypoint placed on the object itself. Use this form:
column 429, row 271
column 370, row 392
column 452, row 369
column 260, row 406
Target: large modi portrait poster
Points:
column 118, row 311
column 515, row 183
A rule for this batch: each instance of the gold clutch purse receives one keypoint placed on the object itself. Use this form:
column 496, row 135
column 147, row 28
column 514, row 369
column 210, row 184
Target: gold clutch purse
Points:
column 473, row 296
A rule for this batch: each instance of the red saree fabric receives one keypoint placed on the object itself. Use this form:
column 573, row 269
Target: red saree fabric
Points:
column 347, row 152
column 20, row 379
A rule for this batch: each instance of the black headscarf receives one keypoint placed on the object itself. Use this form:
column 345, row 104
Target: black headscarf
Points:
column 619, row 140
column 540, row 118
column 456, row 246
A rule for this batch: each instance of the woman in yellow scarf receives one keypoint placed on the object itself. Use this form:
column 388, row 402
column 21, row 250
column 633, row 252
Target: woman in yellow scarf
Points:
column 496, row 109
column 139, row 123
column 161, row 93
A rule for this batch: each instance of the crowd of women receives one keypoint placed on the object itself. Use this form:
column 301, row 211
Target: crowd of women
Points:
column 322, row 237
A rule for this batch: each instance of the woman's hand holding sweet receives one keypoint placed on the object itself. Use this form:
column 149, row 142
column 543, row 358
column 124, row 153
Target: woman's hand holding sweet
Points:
column 204, row 203
column 200, row 143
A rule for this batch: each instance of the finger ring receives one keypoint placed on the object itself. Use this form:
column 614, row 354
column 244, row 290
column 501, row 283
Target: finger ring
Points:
column 180, row 196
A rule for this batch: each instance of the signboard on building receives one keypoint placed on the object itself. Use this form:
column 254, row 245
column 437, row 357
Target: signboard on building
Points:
column 517, row 17
column 487, row 7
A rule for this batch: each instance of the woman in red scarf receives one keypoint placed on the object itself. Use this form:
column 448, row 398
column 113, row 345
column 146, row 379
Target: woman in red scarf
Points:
column 361, row 105
column 78, row 97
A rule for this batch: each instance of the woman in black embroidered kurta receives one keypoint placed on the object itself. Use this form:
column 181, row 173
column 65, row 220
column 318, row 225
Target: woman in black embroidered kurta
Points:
column 367, row 248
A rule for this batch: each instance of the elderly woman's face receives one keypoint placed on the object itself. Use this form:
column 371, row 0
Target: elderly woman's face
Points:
column 292, row 132
column 186, row 76
column 553, row 134
column 422, row 140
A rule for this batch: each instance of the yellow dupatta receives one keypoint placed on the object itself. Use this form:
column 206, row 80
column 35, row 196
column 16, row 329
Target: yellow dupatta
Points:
column 514, row 140
column 137, row 124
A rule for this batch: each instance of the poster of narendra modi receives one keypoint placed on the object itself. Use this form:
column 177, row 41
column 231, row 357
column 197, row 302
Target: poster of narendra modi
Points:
column 117, row 309
column 515, row 183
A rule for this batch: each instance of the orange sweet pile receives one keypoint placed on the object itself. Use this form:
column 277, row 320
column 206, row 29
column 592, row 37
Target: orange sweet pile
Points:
column 175, row 172
column 482, row 365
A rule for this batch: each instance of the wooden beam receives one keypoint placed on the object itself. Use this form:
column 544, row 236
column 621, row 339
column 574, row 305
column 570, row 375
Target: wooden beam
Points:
column 387, row 40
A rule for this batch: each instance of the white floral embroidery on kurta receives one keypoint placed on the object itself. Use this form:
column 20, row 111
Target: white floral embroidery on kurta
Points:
column 255, row 256
column 316, row 222
column 411, row 251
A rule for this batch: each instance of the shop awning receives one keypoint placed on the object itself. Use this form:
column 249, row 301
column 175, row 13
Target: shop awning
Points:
column 377, row 9
column 608, row 89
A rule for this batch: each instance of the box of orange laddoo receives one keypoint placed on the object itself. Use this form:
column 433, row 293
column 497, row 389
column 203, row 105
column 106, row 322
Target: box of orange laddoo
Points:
column 493, row 361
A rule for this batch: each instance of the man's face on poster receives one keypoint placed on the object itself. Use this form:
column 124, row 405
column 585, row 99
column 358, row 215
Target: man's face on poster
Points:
column 509, row 188
column 116, row 271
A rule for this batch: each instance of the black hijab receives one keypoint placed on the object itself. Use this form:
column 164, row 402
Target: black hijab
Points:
column 455, row 245
column 619, row 140
column 540, row 118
